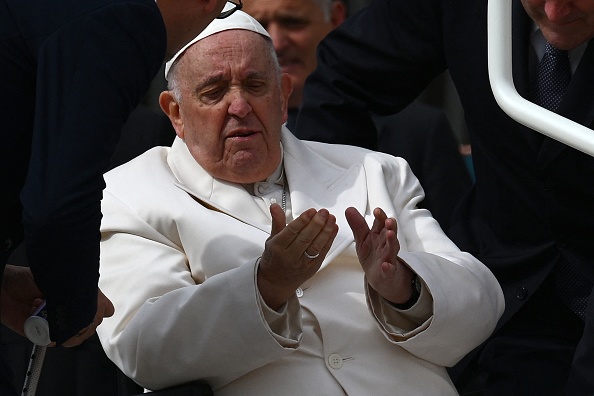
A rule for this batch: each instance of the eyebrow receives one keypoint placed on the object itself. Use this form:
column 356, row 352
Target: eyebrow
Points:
column 209, row 81
column 256, row 74
column 252, row 74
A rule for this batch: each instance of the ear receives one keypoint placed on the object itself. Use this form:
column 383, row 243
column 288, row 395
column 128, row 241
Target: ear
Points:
column 337, row 13
column 171, row 108
column 286, row 89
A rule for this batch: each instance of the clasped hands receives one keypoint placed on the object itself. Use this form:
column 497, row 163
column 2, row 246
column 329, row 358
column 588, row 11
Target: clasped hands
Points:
column 284, row 266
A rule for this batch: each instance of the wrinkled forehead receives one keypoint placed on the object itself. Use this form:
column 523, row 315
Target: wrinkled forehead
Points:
column 229, row 48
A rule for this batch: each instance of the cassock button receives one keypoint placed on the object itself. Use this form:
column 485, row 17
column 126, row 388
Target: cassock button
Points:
column 335, row 361
column 7, row 244
column 522, row 293
column 299, row 292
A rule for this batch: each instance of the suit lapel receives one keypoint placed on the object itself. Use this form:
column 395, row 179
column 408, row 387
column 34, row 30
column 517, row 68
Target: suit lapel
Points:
column 316, row 183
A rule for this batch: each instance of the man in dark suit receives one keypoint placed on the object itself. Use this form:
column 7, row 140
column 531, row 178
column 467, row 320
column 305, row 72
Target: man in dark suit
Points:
column 420, row 133
column 530, row 213
column 72, row 72
column 85, row 369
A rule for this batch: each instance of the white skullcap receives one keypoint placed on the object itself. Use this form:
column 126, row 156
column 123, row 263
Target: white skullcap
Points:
column 237, row 20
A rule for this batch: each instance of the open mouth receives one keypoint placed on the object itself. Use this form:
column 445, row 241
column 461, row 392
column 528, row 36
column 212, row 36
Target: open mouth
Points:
column 241, row 134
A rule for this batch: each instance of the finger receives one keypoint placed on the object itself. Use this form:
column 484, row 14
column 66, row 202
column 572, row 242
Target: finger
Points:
column 392, row 243
column 294, row 229
column 324, row 238
column 313, row 229
column 80, row 337
column 332, row 235
column 391, row 224
column 379, row 220
column 279, row 245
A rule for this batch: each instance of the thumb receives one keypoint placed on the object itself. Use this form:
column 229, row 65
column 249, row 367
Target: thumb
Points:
column 279, row 220
column 358, row 225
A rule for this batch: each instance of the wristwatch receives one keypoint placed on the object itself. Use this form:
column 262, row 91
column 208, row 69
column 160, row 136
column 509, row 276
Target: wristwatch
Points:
column 416, row 292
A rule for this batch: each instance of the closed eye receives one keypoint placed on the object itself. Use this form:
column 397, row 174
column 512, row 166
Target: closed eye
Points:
column 212, row 94
column 256, row 87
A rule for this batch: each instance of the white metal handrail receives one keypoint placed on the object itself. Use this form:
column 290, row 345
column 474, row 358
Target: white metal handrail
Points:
column 499, row 22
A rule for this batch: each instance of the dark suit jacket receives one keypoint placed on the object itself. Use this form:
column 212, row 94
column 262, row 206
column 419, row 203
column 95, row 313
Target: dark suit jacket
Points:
column 72, row 72
column 86, row 370
column 531, row 202
column 422, row 135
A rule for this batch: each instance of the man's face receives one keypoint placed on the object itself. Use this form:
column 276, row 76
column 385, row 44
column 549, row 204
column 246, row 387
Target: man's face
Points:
column 232, row 107
column 296, row 28
column 564, row 23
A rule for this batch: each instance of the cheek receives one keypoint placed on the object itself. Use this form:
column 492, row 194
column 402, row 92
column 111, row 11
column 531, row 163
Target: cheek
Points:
column 307, row 47
column 203, row 122
column 208, row 154
column 203, row 134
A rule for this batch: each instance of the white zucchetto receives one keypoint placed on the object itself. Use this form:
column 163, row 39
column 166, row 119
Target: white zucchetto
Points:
column 237, row 20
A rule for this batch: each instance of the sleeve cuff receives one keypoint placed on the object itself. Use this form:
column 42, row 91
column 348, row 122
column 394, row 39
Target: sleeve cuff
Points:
column 285, row 324
column 399, row 324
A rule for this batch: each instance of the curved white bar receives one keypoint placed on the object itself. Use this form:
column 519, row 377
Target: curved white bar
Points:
column 499, row 20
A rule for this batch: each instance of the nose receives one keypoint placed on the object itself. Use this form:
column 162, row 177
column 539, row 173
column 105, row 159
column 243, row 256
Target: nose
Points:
column 239, row 105
column 557, row 10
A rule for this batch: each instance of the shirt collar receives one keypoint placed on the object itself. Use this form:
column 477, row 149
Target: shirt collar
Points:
column 539, row 42
column 277, row 178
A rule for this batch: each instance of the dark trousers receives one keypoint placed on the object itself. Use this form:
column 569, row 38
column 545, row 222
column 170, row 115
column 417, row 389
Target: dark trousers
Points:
column 532, row 354
column 581, row 378
column 6, row 379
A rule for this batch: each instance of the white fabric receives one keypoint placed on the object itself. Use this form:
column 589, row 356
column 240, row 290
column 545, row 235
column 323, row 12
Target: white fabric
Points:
column 237, row 20
column 179, row 255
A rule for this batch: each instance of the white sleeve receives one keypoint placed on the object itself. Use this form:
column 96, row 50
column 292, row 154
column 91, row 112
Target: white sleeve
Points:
column 167, row 329
column 466, row 298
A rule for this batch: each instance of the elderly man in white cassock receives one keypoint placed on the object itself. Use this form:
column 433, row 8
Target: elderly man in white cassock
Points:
column 266, row 265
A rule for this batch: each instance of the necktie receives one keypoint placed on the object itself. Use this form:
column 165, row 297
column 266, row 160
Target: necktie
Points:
column 554, row 74
column 572, row 287
column 553, row 77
